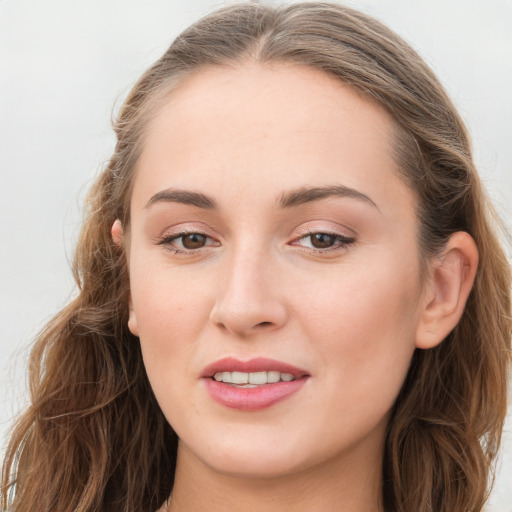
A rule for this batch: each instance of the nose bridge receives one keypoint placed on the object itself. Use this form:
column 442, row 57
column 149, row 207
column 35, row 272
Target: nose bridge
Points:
column 249, row 297
column 248, row 267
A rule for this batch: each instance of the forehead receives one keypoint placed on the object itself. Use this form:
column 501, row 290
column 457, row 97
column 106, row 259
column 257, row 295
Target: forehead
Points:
column 279, row 125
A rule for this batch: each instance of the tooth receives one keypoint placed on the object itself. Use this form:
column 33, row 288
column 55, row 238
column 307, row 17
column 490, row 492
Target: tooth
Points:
column 258, row 378
column 239, row 378
column 273, row 377
column 252, row 379
column 226, row 377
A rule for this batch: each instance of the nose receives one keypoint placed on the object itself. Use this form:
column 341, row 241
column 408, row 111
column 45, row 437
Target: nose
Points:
column 250, row 297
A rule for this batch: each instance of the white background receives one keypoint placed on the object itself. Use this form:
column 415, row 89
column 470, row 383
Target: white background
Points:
column 65, row 65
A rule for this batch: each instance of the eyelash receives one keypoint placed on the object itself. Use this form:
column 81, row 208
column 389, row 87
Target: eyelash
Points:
column 341, row 241
column 167, row 241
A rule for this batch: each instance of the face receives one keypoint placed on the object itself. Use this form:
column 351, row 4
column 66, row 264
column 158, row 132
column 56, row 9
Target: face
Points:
column 272, row 244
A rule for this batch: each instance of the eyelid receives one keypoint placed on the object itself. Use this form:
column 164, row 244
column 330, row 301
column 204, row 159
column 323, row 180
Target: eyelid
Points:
column 327, row 228
column 186, row 228
column 345, row 238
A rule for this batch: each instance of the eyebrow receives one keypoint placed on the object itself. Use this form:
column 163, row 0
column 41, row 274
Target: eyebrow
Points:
column 184, row 197
column 289, row 199
column 307, row 195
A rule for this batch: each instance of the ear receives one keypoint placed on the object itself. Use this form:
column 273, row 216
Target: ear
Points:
column 117, row 232
column 117, row 238
column 452, row 274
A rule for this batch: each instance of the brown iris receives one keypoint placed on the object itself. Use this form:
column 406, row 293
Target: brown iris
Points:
column 322, row 240
column 193, row 241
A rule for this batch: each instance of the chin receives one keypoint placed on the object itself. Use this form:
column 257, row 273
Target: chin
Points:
column 264, row 468
column 246, row 456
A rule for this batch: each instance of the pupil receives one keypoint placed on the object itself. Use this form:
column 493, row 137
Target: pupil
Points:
column 322, row 240
column 194, row 241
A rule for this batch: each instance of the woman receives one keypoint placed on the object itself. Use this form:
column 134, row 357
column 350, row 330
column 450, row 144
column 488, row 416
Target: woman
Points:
column 291, row 293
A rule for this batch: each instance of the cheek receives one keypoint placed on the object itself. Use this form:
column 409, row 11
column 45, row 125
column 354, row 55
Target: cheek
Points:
column 363, row 327
column 170, row 310
column 170, row 316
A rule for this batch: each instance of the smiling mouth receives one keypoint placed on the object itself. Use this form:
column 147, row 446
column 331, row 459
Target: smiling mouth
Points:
column 252, row 385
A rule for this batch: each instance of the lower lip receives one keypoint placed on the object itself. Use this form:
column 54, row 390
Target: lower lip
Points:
column 252, row 399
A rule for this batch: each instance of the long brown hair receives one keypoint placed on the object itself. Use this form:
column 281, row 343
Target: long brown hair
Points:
column 94, row 438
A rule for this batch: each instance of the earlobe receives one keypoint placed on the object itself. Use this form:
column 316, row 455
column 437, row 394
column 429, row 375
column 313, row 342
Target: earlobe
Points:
column 132, row 319
column 451, row 278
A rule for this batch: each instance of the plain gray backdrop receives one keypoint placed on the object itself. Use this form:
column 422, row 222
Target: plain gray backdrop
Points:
column 64, row 67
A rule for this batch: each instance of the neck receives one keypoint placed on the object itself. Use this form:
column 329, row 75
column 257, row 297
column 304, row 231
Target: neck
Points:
column 352, row 484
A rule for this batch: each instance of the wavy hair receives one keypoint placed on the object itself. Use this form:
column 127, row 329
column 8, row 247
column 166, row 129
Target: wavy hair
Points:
column 94, row 438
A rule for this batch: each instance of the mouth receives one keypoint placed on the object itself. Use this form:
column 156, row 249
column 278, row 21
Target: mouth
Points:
column 252, row 385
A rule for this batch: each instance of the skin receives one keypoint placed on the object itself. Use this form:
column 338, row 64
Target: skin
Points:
column 351, row 314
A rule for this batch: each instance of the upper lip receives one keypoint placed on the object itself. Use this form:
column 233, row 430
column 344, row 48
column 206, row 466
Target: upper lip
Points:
column 258, row 364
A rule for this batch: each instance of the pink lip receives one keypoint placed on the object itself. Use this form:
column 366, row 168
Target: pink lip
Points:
column 259, row 364
column 252, row 399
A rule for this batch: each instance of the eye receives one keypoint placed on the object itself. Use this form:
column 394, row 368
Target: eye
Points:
column 186, row 242
column 324, row 241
